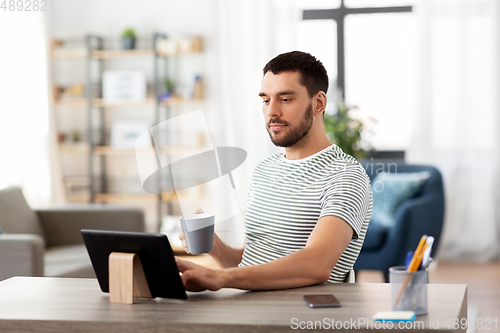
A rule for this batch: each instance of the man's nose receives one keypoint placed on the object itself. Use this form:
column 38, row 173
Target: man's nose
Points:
column 273, row 109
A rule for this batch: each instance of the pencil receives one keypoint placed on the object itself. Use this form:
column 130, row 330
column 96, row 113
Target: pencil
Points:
column 414, row 265
column 417, row 253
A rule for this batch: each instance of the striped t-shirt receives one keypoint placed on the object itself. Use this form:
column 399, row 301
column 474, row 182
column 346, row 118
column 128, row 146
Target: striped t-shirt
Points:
column 288, row 197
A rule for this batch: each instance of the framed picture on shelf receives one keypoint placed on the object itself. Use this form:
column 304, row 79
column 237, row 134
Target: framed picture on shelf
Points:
column 124, row 132
column 123, row 85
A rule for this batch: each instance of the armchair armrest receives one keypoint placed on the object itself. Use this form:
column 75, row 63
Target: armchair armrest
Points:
column 416, row 217
column 21, row 254
column 423, row 215
column 62, row 225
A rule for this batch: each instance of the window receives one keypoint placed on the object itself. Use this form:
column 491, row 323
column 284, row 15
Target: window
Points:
column 380, row 65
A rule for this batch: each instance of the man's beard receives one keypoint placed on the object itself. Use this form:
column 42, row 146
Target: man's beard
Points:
column 295, row 134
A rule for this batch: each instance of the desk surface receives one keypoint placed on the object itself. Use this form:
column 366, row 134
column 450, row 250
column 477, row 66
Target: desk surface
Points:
column 61, row 305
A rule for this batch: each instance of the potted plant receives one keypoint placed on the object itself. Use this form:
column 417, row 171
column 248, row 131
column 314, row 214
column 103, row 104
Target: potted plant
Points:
column 75, row 135
column 346, row 132
column 128, row 39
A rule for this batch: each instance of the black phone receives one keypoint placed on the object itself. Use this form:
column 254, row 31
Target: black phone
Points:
column 322, row 301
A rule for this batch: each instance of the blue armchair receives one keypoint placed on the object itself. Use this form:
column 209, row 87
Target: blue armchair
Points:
column 385, row 247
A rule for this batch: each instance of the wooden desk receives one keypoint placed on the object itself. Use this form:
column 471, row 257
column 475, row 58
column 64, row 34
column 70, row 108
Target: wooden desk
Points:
column 29, row 304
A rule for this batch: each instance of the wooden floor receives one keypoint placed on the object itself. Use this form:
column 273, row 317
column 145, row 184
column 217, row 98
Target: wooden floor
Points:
column 483, row 289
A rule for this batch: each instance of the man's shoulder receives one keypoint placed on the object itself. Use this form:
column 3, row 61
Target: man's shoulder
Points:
column 336, row 161
column 336, row 154
column 336, row 158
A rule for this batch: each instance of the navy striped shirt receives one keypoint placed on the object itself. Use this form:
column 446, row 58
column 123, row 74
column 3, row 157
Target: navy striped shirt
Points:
column 288, row 197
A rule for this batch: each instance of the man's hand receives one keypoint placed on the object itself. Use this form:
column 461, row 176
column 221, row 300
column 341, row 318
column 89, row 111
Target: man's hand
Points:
column 198, row 278
column 183, row 241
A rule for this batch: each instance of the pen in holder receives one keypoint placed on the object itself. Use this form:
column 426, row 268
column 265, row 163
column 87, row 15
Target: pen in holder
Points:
column 409, row 290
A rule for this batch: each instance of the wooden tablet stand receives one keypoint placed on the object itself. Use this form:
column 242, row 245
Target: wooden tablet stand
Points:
column 126, row 278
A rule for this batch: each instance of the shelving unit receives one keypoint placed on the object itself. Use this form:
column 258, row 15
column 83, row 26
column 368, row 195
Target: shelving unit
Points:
column 116, row 54
column 99, row 102
column 83, row 148
column 98, row 111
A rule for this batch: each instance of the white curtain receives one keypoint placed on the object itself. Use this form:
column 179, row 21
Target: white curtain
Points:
column 246, row 35
column 26, row 145
column 456, row 126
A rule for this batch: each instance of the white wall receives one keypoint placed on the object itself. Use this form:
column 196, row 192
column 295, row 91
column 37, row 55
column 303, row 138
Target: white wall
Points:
column 72, row 18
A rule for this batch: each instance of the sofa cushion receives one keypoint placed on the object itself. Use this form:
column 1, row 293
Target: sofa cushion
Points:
column 68, row 261
column 21, row 255
column 16, row 217
column 375, row 237
column 390, row 190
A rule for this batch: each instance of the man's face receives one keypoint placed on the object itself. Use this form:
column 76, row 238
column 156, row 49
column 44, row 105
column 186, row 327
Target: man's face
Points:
column 287, row 108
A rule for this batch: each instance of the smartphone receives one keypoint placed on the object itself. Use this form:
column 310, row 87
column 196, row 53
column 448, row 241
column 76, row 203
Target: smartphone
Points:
column 321, row 301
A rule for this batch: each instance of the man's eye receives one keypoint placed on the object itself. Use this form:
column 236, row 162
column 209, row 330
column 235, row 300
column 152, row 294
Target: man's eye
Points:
column 286, row 100
column 265, row 101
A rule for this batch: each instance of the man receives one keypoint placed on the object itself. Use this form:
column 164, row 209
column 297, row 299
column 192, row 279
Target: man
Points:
column 308, row 209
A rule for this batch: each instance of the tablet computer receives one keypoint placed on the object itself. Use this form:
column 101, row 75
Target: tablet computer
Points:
column 153, row 249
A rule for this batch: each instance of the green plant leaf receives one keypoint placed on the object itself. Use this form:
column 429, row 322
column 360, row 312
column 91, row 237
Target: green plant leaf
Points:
column 129, row 33
column 346, row 132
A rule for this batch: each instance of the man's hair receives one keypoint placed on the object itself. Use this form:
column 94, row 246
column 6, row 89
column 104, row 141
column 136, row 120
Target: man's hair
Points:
column 313, row 74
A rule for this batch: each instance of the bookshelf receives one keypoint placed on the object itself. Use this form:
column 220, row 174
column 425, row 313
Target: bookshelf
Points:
column 98, row 183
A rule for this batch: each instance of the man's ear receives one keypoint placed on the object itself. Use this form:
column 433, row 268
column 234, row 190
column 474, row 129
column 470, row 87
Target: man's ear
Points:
column 319, row 102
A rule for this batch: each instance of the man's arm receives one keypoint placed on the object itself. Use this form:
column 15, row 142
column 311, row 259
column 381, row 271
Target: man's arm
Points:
column 225, row 255
column 304, row 267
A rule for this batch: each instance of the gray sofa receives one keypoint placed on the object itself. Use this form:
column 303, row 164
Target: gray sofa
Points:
column 47, row 242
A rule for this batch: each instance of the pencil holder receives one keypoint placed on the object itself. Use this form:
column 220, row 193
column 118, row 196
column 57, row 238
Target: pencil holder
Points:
column 409, row 290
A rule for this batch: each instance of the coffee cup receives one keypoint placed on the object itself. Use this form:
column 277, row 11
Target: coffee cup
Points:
column 198, row 232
